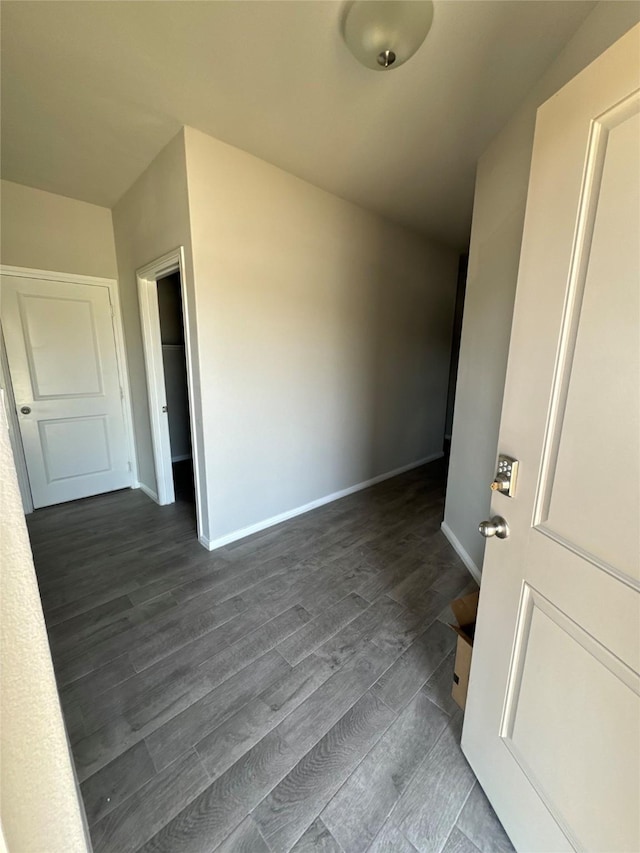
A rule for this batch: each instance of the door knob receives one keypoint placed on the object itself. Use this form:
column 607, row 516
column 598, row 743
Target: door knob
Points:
column 496, row 527
column 25, row 410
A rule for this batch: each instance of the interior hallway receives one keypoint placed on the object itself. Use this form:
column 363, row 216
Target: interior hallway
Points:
column 288, row 692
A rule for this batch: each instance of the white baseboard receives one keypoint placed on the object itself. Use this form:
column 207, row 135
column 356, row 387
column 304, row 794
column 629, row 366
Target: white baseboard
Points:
column 228, row 538
column 148, row 492
column 460, row 551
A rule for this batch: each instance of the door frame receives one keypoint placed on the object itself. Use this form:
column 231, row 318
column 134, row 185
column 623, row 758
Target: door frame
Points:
column 147, row 280
column 15, row 438
column 121, row 354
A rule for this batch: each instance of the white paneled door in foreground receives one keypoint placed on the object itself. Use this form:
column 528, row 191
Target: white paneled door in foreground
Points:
column 552, row 726
column 63, row 362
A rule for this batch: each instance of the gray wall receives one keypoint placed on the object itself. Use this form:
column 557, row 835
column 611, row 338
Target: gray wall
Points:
column 325, row 336
column 322, row 331
column 45, row 231
column 498, row 217
column 151, row 219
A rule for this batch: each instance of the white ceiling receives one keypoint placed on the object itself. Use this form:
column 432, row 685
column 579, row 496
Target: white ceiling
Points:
column 93, row 90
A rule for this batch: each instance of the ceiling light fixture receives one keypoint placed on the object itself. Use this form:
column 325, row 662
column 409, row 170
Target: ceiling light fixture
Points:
column 383, row 34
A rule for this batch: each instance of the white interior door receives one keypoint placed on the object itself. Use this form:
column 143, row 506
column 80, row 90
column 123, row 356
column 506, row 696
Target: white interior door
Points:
column 64, row 370
column 552, row 725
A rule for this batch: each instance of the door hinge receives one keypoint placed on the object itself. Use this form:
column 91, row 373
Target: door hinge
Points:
column 121, row 393
column 129, row 466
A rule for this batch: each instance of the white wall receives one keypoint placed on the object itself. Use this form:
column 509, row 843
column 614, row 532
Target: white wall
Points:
column 151, row 219
column 324, row 337
column 40, row 808
column 44, row 231
column 496, row 233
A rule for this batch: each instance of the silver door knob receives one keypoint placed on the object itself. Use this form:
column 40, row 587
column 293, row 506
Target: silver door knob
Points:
column 496, row 527
column 25, row 410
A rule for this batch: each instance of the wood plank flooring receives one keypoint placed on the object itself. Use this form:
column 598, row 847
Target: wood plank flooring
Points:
column 290, row 692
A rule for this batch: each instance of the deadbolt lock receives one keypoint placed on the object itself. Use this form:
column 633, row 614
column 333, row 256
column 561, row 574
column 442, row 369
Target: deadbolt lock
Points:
column 506, row 475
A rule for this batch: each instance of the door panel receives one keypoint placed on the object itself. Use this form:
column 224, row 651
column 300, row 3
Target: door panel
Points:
column 552, row 726
column 599, row 383
column 66, row 327
column 63, row 363
column 60, row 440
column 553, row 650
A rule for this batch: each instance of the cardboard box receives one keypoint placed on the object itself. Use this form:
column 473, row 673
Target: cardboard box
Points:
column 465, row 611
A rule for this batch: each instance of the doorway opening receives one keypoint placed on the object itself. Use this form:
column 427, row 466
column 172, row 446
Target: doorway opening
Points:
column 456, row 339
column 172, row 389
column 174, row 364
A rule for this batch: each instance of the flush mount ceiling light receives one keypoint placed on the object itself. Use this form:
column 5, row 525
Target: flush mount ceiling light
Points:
column 383, row 34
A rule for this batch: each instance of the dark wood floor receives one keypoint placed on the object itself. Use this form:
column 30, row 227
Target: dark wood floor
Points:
column 287, row 692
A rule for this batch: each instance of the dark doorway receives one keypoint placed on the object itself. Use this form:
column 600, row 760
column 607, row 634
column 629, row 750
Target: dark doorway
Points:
column 175, row 379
